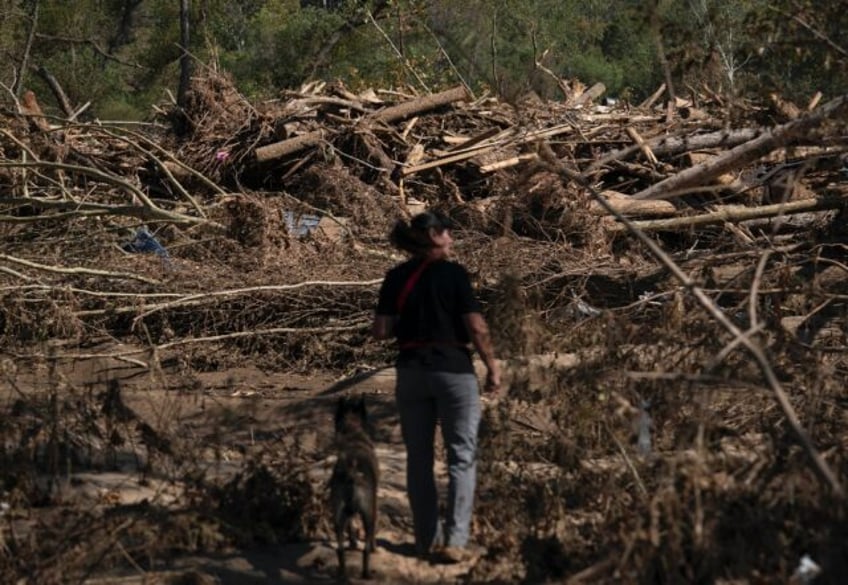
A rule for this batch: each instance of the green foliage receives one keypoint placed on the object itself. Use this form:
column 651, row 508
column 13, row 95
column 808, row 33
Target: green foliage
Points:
column 123, row 54
column 121, row 108
column 798, row 47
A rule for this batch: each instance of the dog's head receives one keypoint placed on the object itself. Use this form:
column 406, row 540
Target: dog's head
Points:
column 351, row 414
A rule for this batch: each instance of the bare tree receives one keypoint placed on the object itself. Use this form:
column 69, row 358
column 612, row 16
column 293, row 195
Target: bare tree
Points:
column 185, row 58
column 18, row 87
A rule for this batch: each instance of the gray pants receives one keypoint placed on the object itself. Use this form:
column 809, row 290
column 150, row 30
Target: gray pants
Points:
column 423, row 398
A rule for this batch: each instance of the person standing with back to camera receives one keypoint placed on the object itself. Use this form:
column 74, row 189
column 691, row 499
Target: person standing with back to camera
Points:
column 428, row 305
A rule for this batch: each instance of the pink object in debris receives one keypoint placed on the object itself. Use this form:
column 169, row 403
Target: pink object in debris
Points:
column 222, row 155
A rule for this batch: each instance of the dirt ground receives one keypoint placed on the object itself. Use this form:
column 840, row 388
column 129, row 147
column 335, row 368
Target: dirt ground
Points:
column 248, row 410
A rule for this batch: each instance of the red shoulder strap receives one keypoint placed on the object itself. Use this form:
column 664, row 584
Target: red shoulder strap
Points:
column 410, row 284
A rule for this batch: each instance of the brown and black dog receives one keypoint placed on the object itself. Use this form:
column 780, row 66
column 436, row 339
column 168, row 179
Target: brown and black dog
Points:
column 353, row 485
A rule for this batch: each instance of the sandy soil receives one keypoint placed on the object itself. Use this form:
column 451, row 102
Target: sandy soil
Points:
column 249, row 406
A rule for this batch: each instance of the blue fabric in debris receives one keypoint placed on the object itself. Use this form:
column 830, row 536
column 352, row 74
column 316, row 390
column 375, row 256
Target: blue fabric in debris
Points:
column 146, row 243
column 300, row 224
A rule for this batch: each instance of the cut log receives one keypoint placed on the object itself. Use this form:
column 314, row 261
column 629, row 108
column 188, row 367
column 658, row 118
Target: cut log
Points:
column 289, row 146
column 423, row 104
column 626, row 205
column 594, row 92
column 743, row 154
column 509, row 162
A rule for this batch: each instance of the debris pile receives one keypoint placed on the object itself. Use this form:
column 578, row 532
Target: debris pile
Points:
column 628, row 255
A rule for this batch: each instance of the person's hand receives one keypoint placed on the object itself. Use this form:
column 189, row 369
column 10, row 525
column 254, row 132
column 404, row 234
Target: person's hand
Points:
column 493, row 381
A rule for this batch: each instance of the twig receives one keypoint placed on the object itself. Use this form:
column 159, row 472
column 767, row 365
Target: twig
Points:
column 97, row 48
column 77, row 270
column 147, row 210
column 16, row 274
column 72, row 289
column 153, row 211
column 816, row 33
column 740, row 213
column 21, row 145
column 193, row 340
column 33, row 27
column 628, row 462
column 83, row 210
column 199, row 298
column 755, row 286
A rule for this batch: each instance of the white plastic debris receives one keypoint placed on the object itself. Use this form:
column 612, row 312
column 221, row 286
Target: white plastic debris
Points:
column 649, row 297
column 584, row 309
column 807, row 571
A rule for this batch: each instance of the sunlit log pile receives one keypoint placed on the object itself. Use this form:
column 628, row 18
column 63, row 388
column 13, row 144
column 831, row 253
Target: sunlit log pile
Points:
column 533, row 185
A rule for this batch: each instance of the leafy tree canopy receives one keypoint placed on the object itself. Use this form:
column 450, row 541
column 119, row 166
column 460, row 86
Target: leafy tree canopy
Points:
column 123, row 55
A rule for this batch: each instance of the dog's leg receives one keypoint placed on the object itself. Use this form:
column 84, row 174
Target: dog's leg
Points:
column 369, row 525
column 372, row 541
column 352, row 541
column 340, row 549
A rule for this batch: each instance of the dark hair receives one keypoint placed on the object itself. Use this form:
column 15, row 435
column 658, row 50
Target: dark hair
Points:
column 414, row 237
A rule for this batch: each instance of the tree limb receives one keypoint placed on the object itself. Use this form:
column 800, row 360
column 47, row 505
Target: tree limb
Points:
column 200, row 298
column 738, row 213
column 193, row 340
column 147, row 210
column 743, row 154
column 77, row 270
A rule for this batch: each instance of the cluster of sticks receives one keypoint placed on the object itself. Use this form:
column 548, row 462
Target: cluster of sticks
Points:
column 682, row 162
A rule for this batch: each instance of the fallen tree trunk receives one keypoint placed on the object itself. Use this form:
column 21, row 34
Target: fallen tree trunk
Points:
column 423, row 104
column 736, row 214
column 628, row 206
column 289, row 146
column 678, row 144
column 743, row 154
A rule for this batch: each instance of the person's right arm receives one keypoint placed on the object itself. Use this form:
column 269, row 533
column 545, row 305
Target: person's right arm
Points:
column 478, row 330
column 383, row 326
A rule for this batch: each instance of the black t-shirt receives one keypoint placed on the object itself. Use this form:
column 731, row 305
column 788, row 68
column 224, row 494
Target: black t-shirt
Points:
column 430, row 330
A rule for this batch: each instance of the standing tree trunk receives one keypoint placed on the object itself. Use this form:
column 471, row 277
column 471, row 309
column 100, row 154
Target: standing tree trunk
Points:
column 185, row 58
column 18, row 88
column 179, row 118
